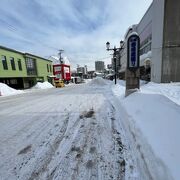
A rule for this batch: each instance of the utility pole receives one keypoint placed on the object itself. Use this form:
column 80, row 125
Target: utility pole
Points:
column 60, row 58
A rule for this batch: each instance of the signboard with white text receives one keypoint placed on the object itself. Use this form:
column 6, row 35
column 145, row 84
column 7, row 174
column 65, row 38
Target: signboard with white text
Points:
column 133, row 52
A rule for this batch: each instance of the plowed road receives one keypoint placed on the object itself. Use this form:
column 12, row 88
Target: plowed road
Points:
column 70, row 133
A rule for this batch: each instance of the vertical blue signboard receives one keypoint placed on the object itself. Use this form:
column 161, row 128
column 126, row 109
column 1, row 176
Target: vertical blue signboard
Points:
column 133, row 52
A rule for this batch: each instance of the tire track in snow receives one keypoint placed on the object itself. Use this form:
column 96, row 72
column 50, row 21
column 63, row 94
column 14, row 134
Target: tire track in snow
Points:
column 76, row 163
column 119, row 148
column 88, row 155
column 69, row 135
column 51, row 152
column 46, row 149
column 130, row 164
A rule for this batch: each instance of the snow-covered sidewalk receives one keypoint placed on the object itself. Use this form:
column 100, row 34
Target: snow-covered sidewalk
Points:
column 154, row 114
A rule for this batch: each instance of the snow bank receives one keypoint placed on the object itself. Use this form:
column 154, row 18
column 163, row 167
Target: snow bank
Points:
column 170, row 90
column 120, row 88
column 155, row 112
column 159, row 121
column 5, row 90
column 98, row 81
column 44, row 85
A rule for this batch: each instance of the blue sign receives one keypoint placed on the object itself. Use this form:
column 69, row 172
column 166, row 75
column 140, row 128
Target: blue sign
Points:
column 133, row 51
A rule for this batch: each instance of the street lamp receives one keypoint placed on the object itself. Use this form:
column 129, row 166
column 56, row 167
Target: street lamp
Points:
column 114, row 54
column 121, row 44
column 108, row 45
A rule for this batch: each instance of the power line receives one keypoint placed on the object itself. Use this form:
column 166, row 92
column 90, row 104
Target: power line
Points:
column 16, row 31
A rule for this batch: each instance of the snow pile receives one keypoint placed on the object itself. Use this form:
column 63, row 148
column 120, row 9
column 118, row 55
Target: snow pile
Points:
column 5, row 90
column 159, row 120
column 98, row 81
column 87, row 80
column 44, row 85
column 153, row 114
column 170, row 90
column 120, row 88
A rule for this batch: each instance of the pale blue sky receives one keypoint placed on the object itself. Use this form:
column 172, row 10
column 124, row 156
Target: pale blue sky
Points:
column 80, row 27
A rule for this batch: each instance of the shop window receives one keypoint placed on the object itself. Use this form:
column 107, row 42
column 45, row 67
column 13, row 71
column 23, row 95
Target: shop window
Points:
column 12, row 63
column 13, row 81
column 31, row 66
column 4, row 62
column 19, row 64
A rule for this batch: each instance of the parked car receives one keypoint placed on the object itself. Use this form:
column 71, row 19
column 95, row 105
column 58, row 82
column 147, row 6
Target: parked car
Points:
column 59, row 83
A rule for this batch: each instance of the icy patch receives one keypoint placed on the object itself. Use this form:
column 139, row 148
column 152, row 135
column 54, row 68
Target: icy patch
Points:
column 44, row 85
column 5, row 90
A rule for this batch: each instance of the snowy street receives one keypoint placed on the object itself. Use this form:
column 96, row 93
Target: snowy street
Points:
column 90, row 90
column 78, row 132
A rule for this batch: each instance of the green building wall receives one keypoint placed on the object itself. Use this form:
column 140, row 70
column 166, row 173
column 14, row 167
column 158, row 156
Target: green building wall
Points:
column 9, row 72
column 24, row 79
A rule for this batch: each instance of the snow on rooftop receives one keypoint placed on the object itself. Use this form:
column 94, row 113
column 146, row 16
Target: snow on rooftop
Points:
column 5, row 90
column 55, row 60
column 145, row 57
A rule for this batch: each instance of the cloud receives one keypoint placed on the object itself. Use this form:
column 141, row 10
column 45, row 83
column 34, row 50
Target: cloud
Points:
column 79, row 27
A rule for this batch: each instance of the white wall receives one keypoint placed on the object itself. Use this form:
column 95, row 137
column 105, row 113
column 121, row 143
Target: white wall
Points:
column 145, row 22
column 157, row 40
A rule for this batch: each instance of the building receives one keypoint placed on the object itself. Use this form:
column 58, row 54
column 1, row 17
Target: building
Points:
column 99, row 66
column 159, row 42
column 23, row 70
column 82, row 71
column 91, row 74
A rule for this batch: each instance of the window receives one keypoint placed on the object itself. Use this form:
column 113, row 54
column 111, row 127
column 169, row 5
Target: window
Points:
column 4, row 62
column 50, row 68
column 12, row 63
column 47, row 67
column 31, row 66
column 19, row 64
column 13, row 81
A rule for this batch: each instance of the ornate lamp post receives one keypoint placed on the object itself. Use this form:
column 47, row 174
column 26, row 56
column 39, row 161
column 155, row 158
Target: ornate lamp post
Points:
column 114, row 55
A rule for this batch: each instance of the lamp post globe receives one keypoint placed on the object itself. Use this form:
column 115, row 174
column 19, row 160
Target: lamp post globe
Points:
column 121, row 43
column 108, row 45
